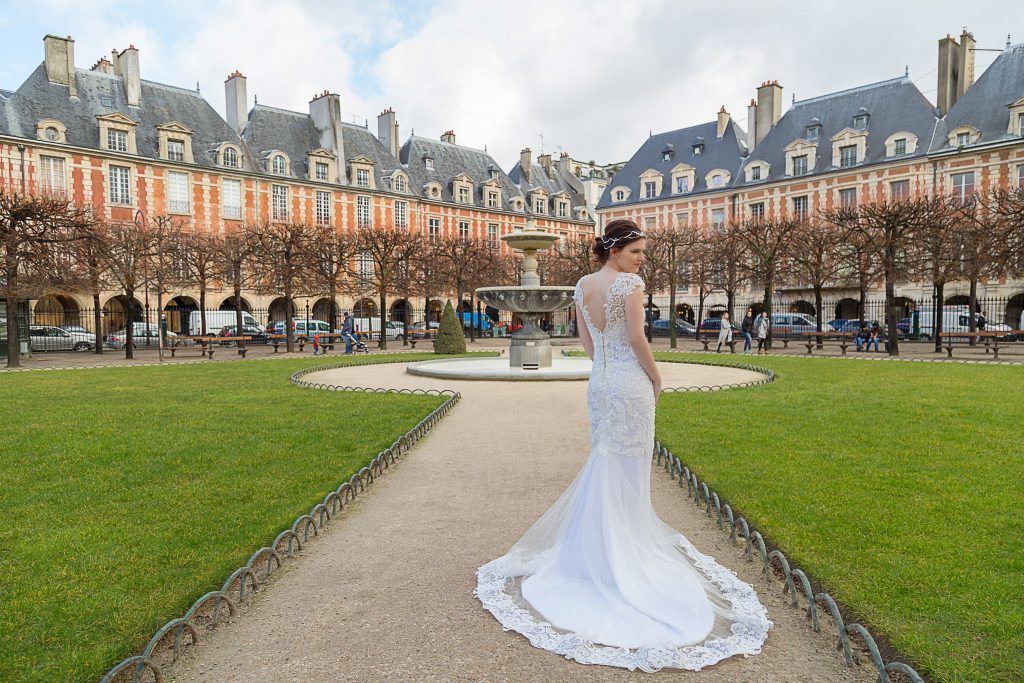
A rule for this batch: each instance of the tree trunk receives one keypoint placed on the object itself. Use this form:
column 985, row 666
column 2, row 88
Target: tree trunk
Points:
column 238, row 312
column 972, row 304
column 383, row 343
column 97, row 320
column 405, row 322
column 202, row 311
column 769, row 290
column 672, row 313
column 890, row 312
column 472, row 327
column 129, row 326
column 289, row 321
column 13, row 342
column 730, row 301
column 818, row 305
column 650, row 317
column 333, row 293
column 159, row 324
column 700, row 311
column 937, row 315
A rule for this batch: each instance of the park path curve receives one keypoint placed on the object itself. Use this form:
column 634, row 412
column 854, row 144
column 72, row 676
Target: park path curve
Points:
column 387, row 592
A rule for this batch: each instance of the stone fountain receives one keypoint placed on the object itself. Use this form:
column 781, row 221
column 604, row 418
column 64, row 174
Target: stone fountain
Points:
column 530, row 350
column 531, row 346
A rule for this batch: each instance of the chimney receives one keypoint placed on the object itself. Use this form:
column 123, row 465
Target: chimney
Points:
column 769, row 108
column 236, row 101
column 751, row 125
column 545, row 161
column 965, row 64
column 563, row 164
column 387, row 130
column 126, row 65
column 448, row 136
column 103, row 66
column 723, row 122
column 526, row 165
column 325, row 110
column 59, row 54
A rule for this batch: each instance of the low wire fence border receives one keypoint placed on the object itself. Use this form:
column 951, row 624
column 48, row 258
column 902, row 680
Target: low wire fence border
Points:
column 703, row 496
column 881, row 357
column 267, row 559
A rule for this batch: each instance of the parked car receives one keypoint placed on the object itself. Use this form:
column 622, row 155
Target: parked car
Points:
column 146, row 335
column 683, row 328
column 793, row 324
column 256, row 333
column 52, row 338
column 302, row 328
column 80, row 334
column 419, row 330
column 370, row 328
column 711, row 326
column 845, row 325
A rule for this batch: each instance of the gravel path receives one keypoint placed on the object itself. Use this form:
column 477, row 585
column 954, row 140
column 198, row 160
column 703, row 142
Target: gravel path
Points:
column 387, row 592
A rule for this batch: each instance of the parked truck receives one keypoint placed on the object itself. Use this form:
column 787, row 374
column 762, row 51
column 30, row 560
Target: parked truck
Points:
column 215, row 320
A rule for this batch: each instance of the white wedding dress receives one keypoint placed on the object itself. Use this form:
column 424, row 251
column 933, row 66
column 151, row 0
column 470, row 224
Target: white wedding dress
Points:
column 599, row 578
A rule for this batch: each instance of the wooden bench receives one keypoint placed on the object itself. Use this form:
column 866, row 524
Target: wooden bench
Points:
column 990, row 339
column 278, row 339
column 842, row 337
column 428, row 335
column 207, row 345
column 709, row 339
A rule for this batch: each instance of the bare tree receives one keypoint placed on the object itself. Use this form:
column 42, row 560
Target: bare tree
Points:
column 200, row 253
column 459, row 257
column 985, row 235
column 1009, row 206
column 767, row 243
column 730, row 272
column 935, row 253
column 279, row 258
column 814, row 260
column 91, row 258
column 568, row 262
column 128, row 254
column 31, row 229
column 330, row 253
column 390, row 251
column 236, row 265
column 665, row 250
column 167, row 268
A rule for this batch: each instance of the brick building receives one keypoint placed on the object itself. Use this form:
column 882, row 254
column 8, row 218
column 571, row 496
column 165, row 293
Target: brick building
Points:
column 858, row 145
column 122, row 144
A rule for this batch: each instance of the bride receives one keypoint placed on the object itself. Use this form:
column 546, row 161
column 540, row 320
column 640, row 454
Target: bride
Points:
column 599, row 578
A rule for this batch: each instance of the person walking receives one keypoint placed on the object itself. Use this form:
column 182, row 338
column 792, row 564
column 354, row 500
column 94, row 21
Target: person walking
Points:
column 747, row 328
column 347, row 328
column 763, row 325
column 316, row 344
column 725, row 334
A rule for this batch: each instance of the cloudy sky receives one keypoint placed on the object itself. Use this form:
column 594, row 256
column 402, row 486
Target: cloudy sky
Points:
column 593, row 77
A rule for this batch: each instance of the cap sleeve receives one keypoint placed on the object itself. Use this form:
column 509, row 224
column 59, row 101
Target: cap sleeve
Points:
column 626, row 283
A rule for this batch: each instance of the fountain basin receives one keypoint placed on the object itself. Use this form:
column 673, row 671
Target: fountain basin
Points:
column 498, row 369
column 540, row 299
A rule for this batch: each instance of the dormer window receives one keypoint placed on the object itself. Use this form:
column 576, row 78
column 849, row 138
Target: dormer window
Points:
column 812, row 133
column 563, row 209
column 698, row 149
column 539, row 205
column 464, row 195
column 650, row 189
column 899, row 146
column 492, row 199
column 429, row 163
column 800, row 164
column 1020, row 124
column 51, row 130
column 51, row 134
column 620, row 195
column 320, row 170
column 716, row 180
column 176, row 150
column 278, row 165
column 860, row 121
column 230, row 157
column 963, row 139
column 493, row 174
column 667, row 152
column 847, row 156
column 400, row 185
column 755, row 172
column 362, row 177
column 117, row 140
column 682, row 184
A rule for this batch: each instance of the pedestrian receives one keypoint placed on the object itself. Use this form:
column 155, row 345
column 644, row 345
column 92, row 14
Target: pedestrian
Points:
column 725, row 334
column 316, row 344
column 863, row 336
column 763, row 325
column 747, row 328
column 347, row 328
column 873, row 336
column 981, row 322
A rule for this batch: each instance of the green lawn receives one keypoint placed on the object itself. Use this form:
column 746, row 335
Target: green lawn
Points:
column 899, row 485
column 129, row 492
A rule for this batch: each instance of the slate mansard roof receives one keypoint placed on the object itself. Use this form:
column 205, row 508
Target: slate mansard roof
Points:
column 725, row 153
column 984, row 105
column 100, row 94
column 539, row 179
column 892, row 106
column 451, row 160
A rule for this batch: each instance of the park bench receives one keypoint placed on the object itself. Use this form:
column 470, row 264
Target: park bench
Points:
column 207, row 345
column 713, row 339
column 990, row 340
column 427, row 335
column 814, row 338
column 278, row 339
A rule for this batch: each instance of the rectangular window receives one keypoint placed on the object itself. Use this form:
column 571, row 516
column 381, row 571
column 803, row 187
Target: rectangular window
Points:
column 650, row 191
column 755, row 173
column 899, row 190
column 717, row 218
column 464, row 195
column 323, row 208
column 429, row 164
column 847, row 156
column 117, row 140
column 800, row 207
column 963, row 185
column 362, row 177
column 800, row 165
column 650, row 222
column 757, row 211
column 51, row 171
column 1020, row 125
column 492, row 200
column 538, row 205
column 434, row 227
column 279, row 202
column 1020, row 176
column 563, row 209
column 492, row 234
column 321, row 170
column 848, row 198
column 963, row 139
column 682, row 219
column 464, row 230
column 899, row 147
column 177, row 192
column 231, row 198
column 364, row 264
column 362, row 212
column 120, row 185
column 682, row 184
column 402, row 215
column 176, row 150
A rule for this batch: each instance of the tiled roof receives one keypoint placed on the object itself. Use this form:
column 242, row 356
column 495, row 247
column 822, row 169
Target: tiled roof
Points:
column 541, row 180
column 451, row 160
column 984, row 104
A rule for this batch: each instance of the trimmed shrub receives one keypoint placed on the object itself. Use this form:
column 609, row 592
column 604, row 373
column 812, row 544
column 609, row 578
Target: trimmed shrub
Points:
column 450, row 338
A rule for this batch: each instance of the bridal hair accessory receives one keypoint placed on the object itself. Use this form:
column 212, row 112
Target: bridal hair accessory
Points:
column 632, row 235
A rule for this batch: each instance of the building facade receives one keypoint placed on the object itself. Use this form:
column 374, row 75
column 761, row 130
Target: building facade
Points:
column 877, row 141
column 124, row 146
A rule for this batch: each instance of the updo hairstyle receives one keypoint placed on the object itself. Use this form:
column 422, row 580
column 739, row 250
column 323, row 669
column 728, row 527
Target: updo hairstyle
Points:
column 617, row 234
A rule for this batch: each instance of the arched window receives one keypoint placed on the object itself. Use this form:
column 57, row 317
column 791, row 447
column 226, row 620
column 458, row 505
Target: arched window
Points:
column 277, row 167
column 399, row 183
column 230, row 157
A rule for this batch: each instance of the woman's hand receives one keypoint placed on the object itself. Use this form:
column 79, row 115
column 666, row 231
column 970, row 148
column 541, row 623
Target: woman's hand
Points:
column 656, row 385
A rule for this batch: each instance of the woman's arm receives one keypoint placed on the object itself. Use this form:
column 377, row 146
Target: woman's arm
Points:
column 585, row 338
column 637, row 340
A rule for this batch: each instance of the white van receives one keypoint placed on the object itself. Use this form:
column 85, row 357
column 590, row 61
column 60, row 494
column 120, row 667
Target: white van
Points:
column 371, row 326
column 954, row 319
column 215, row 320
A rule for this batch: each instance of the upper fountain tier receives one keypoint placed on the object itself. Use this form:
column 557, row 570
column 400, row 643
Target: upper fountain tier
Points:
column 530, row 239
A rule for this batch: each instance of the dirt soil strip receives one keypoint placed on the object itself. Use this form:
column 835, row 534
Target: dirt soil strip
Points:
column 387, row 593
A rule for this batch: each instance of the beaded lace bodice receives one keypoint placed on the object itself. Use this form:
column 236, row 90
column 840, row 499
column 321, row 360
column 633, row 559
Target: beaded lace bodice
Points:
column 611, row 345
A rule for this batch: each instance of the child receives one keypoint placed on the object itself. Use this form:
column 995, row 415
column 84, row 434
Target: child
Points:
column 316, row 344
